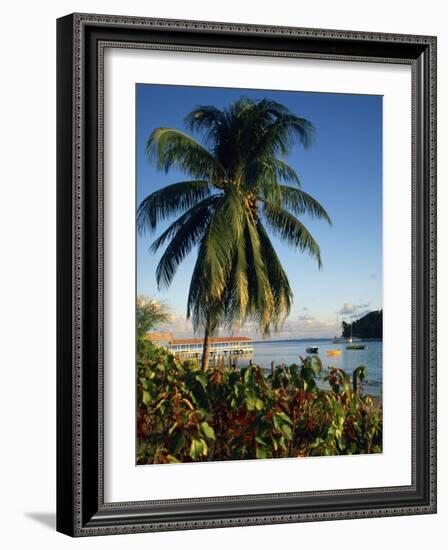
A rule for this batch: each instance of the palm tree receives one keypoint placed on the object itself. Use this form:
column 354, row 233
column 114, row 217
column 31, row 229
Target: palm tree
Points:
column 150, row 314
column 238, row 191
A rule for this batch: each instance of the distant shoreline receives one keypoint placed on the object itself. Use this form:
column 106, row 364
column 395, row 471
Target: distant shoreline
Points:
column 293, row 340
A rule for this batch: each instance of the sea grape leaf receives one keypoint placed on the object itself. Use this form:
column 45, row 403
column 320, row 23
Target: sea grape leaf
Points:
column 207, row 430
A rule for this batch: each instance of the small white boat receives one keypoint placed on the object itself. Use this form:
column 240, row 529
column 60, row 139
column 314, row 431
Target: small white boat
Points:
column 341, row 340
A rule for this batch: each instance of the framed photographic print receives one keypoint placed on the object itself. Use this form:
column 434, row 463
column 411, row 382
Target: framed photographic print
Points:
column 246, row 274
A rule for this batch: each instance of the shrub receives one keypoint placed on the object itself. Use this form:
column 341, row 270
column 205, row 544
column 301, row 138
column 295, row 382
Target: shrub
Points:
column 185, row 414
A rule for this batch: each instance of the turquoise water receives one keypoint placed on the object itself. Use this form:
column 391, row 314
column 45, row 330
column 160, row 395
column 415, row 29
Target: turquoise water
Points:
column 288, row 352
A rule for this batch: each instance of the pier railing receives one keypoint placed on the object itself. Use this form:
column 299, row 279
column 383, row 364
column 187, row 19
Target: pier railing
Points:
column 219, row 357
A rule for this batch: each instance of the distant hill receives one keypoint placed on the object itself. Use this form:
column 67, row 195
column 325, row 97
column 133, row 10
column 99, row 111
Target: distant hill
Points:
column 369, row 326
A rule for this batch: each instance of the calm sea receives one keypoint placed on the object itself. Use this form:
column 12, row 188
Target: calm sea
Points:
column 288, row 352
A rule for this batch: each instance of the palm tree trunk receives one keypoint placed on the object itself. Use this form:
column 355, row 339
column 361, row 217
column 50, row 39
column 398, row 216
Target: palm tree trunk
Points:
column 206, row 346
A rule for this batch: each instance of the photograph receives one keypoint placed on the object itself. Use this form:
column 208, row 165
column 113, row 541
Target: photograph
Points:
column 259, row 273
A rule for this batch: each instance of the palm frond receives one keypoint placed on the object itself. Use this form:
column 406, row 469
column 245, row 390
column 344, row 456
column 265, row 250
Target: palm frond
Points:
column 185, row 233
column 200, row 209
column 299, row 202
column 278, row 279
column 280, row 136
column 174, row 149
column 296, row 126
column 290, row 229
column 197, row 303
column 285, row 172
column 208, row 119
column 239, row 285
column 265, row 175
column 237, row 297
column 202, row 308
column 169, row 200
column 224, row 231
column 259, row 285
column 210, row 281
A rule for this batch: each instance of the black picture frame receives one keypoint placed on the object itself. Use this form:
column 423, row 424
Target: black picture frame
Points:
column 81, row 510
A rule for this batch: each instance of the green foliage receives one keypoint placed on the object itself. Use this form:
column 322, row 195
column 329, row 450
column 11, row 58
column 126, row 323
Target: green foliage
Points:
column 185, row 414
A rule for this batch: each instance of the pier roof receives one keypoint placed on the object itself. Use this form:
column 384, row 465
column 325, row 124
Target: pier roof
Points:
column 169, row 338
column 217, row 340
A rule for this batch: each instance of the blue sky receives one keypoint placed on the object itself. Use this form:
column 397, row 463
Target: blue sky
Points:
column 343, row 170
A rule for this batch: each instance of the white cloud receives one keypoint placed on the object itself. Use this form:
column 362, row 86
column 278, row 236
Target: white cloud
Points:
column 304, row 325
column 305, row 317
column 179, row 326
column 350, row 309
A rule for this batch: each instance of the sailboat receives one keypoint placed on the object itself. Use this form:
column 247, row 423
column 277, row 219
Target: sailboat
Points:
column 341, row 339
column 351, row 345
